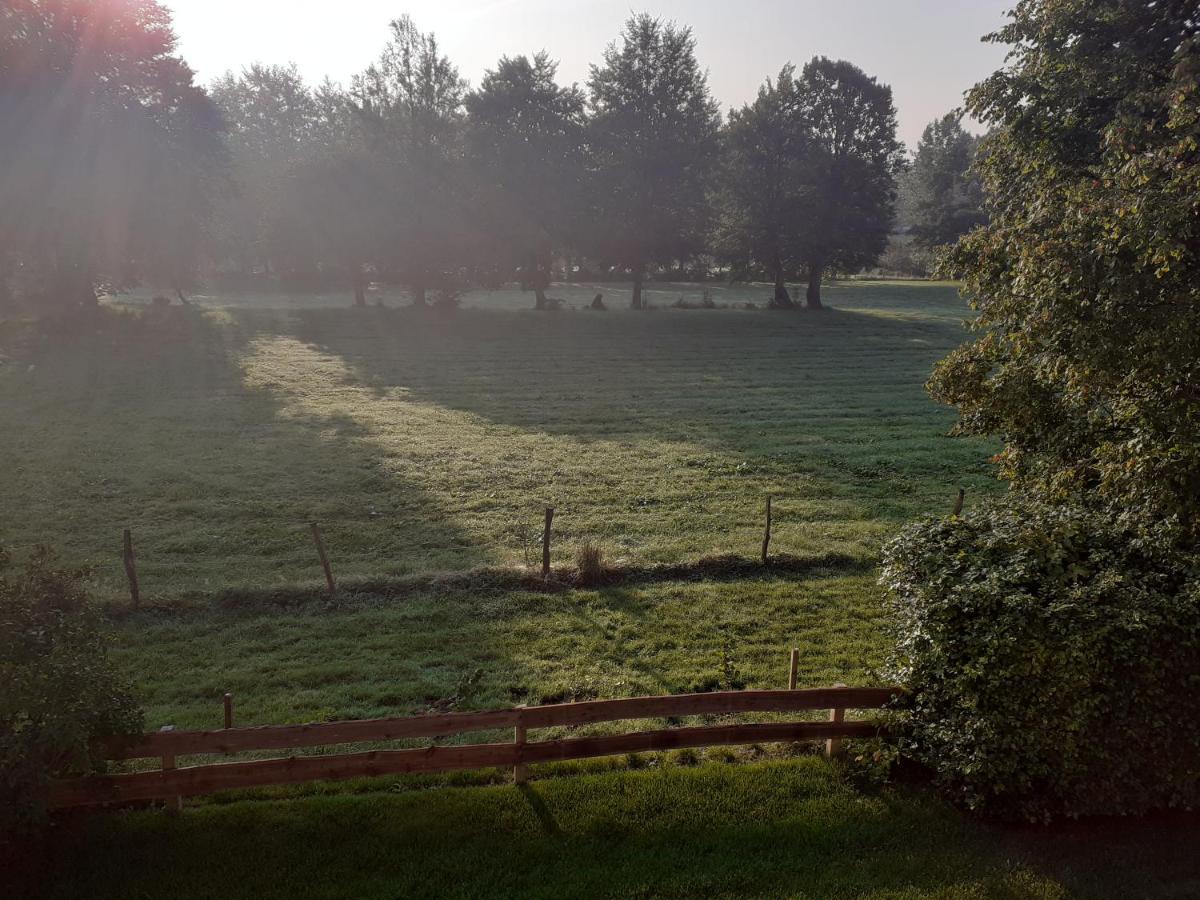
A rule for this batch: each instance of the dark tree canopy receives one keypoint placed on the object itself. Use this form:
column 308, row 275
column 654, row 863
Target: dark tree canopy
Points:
column 653, row 133
column 1087, row 278
column 762, row 190
column 525, row 145
column 850, row 167
column 943, row 198
column 109, row 155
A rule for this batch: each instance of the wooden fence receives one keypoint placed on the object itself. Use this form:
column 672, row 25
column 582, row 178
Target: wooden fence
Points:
column 171, row 783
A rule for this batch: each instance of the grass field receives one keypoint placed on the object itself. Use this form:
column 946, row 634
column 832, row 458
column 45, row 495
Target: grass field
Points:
column 424, row 443
column 768, row 829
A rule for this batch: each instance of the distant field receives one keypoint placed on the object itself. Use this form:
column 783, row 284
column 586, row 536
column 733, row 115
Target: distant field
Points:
column 421, row 442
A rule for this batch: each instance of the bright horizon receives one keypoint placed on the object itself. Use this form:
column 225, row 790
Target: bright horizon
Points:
column 929, row 51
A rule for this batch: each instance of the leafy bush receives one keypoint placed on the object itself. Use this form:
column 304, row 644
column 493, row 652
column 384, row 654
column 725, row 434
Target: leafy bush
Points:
column 1053, row 656
column 60, row 691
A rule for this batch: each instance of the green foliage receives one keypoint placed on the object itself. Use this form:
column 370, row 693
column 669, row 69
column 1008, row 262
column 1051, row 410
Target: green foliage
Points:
column 1087, row 279
column 111, row 155
column 942, row 197
column 1053, row 657
column 525, row 145
column 762, row 191
column 274, row 123
column 410, row 106
column 849, row 169
column 653, row 133
column 810, row 176
column 60, row 693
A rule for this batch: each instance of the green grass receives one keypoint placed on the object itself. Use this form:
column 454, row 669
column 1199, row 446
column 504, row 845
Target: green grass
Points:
column 422, row 443
column 775, row 829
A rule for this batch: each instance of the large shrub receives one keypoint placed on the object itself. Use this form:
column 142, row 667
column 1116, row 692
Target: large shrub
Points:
column 1086, row 360
column 1053, row 657
column 59, row 692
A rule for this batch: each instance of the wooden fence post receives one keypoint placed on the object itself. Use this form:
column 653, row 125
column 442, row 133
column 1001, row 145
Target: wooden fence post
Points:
column 520, row 770
column 793, row 668
column 958, row 504
column 767, row 533
column 833, row 746
column 131, row 568
column 316, row 533
column 174, row 803
column 228, row 710
column 546, row 542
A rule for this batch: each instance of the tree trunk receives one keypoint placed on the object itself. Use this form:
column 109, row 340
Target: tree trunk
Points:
column 782, row 298
column 639, row 273
column 812, row 296
column 76, row 290
column 360, row 288
column 541, row 280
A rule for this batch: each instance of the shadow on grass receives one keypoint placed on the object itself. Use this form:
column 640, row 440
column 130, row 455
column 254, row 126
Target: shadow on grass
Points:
column 834, row 397
column 500, row 580
column 789, row 828
column 146, row 421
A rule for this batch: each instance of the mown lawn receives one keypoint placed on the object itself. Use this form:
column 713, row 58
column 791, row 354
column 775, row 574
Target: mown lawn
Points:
column 774, row 829
column 426, row 443
column 423, row 442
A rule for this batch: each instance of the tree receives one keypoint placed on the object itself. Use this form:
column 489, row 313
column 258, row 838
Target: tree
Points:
column 100, row 118
column 763, row 195
column 273, row 120
column 525, row 144
column 654, row 136
column 1087, row 277
column 943, row 197
column 410, row 103
column 333, row 211
column 849, row 168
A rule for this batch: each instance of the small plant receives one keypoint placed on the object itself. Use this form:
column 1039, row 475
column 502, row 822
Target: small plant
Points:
column 529, row 537
column 589, row 561
column 61, row 693
column 685, row 757
column 731, row 677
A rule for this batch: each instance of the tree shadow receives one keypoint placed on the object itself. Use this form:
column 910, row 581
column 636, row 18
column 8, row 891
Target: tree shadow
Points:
column 833, row 399
column 150, row 422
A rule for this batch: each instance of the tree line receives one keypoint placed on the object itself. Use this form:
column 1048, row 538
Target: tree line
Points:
column 118, row 167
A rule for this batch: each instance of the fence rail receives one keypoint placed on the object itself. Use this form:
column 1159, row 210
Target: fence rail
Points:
column 171, row 782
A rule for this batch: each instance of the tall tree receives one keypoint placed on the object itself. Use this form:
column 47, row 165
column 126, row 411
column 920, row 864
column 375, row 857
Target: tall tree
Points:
column 763, row 194
column 654, row 133
column 101, row 123
column 943, row 197
column 525, row 143
column 1087, row 278
column 411, row 104
column 272, row 119
column 850, row 168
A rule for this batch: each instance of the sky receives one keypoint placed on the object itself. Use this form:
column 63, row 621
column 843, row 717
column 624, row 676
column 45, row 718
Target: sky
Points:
column 929, row 51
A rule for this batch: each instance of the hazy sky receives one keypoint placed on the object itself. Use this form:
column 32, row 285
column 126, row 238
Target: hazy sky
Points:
column 927, row 50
